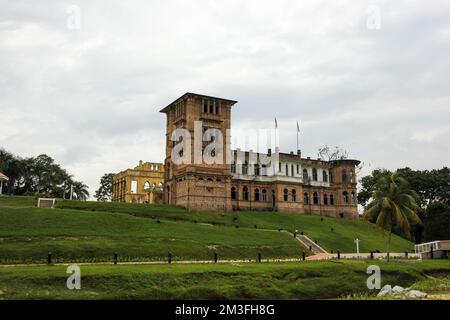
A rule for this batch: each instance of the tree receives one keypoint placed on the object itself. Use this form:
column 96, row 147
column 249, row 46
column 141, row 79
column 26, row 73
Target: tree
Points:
column 393, row 204
column 437, row 222
column 80, row 191
column 105, row 191
column 327, row 153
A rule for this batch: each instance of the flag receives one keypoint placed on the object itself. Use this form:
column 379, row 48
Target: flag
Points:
column 298, row 127
column 276, row 123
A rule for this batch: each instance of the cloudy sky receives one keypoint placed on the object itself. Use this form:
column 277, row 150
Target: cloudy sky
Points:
column 83, row 81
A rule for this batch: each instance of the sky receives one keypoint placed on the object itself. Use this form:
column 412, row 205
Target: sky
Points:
column 83, row 81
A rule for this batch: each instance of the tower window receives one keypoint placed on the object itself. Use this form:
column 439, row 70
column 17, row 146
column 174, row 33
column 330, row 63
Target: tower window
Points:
column 316, row 198
column 306, row 198
column 256, row 194
column 294, row 195
column 324, row 176
column 331, row 200
column 245, row 193
column 314, row 174
column 325, row 199
column 285, row 194
column 345, row 196
column 233, row 193
column 264, row 195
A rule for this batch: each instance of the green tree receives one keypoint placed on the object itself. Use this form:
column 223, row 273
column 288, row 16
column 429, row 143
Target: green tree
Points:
column 105, row 191
column 437, row 222
column 80, row 191
column 393, row 203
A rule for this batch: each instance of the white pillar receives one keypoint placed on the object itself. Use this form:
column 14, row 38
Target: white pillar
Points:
column 357, row 245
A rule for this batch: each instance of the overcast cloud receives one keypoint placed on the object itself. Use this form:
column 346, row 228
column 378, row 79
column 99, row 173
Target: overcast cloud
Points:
column 90, row 96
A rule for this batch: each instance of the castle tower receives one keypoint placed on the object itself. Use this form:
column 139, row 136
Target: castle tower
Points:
column 195, row 183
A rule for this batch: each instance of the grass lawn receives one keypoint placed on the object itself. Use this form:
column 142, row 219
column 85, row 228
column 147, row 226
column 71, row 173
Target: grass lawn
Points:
column 303, row 280
column 27, row 234
column 317, row 228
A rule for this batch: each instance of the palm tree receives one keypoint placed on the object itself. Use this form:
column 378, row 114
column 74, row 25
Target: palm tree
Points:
column 80, row 190
column 393, row 203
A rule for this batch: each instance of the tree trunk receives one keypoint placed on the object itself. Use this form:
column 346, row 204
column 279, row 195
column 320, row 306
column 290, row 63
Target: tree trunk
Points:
column 389, row 244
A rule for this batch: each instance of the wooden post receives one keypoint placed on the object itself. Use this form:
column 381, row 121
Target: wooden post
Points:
column 215, row 257
column 259, row 257
column 170, row 258
column 49, row 258
column 303, row 255
column 115, row 257
column 338, row 254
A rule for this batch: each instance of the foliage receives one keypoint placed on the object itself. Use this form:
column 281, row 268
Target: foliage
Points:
column 437, row 222
column 393, row 204
column 38, row 176
column 105, row 191
column 327, row 153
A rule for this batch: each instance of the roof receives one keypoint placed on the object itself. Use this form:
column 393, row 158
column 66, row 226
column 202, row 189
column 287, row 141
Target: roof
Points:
column 187, row 94
column 3, row 177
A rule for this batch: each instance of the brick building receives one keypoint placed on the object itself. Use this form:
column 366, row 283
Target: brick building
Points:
column 291, row 184
column 139, row 185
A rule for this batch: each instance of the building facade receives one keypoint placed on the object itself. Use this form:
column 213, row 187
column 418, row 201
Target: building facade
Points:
column 139, row 185
column 288, row 184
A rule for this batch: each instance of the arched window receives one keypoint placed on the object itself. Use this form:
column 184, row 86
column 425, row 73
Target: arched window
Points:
column 160, row 186
column 345, row 196
column 314, row 174
column 331, row 200
column 233, row 193
column 306, row 198
column 324, row 176
column 146, row 186
column 153, row 186
column 245, row 193
column 245, row 168
column 315, row 198
column 305, row 175
column 287, row 169
column 292, row 170
column 256, row 194
column 325, row 199
column 264, row 195
column 257, row 170
column 344, row 175
column 285, row 194
column 294, row 195
column 353, row 197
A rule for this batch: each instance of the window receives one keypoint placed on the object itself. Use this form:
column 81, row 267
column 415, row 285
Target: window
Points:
column 146, row 186
column 205, row 106
column 292, row 170
column 233, row 168
column 294, row 195
column 324, row 176
column 345, row 196
column 331, row 200
column 316, row 198
column 305, row 175
column 353, row 197
column 264, row 195
column 325, row 199
column 217, row 107
column 264, row 170
column 279, row 167
column 211, row 106
column 245, row 168
column 134, row 186
column 314, row 174
column 306, row 198
column 344, row 175
column 233, row 193
column 285, row 194
column 287, row 169
column 331, row 177
column 245, row 193
column 257, row 170
column 256, row 194
column 298, row 169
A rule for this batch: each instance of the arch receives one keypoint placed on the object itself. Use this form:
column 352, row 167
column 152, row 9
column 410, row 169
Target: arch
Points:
column 305, row 175
column 315, row 198
column 345, row 197
column 294, row 195
column 314, row 174
column 160, row 186
column 146, row 186
column 264, row 195
column 306, row 198
column 234, row 194
column 285, row 194
column 245, row 193
column 331, row 199
column 325, row 199
column 257, row 195
column 324, row 176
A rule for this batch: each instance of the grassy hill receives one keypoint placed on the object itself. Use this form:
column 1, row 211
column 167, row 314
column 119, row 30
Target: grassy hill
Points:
column 310, row 280
column 92, row 231
column 317, row 228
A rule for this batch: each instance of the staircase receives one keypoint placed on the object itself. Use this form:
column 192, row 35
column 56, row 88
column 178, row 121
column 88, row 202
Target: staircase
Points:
column 307, row 242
